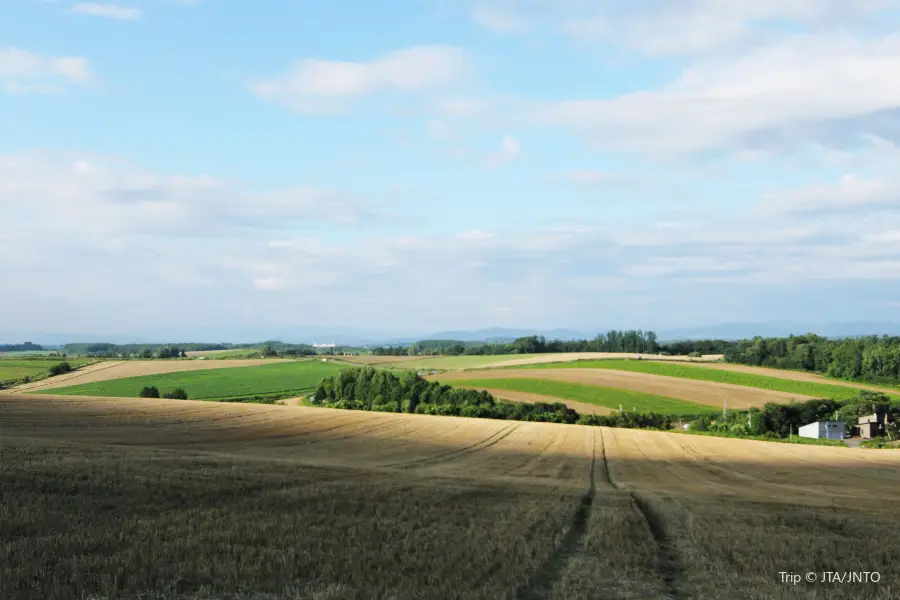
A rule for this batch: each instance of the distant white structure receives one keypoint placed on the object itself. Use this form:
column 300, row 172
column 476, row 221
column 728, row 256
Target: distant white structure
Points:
column 331, row 345
column 823, row 430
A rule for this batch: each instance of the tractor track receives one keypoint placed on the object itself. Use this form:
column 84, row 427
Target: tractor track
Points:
column 548, row 574
column 489, row 441
column 668, row 563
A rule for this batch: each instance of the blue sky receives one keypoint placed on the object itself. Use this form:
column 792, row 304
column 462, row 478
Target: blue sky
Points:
column 433, row 164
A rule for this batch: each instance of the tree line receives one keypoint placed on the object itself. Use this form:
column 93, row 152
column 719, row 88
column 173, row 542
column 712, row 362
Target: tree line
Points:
column 871, row 358
column 634, row 340
column 26, row 347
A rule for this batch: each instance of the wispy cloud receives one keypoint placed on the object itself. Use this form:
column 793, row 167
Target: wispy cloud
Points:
column 325, row 86
column 802, row 80
column 510, row 149
column 22, row 71
column 850, row 193
column 108, row 11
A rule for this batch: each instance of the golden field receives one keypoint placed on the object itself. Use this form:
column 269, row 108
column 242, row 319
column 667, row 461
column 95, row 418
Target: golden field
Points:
column 120, row 498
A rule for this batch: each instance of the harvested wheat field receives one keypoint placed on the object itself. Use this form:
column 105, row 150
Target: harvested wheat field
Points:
column 106, row 498
column 690, row 390
column 107, row 370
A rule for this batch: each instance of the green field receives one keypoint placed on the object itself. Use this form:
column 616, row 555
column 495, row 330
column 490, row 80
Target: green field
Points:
column 218, row 384
column 591, row 394
column 16, row 370
column 670, row 369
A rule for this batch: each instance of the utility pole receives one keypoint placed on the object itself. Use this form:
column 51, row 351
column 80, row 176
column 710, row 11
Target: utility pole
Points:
column 724, row 407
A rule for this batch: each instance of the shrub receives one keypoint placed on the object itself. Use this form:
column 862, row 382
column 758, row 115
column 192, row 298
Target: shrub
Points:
column 60, row 368
column 149, row 391
column 177, row 394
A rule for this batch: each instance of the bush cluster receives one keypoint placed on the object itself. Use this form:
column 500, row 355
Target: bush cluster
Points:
column 151, row 391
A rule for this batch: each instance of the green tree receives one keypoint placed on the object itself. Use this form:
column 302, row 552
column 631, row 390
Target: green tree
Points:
column 60, row 368
column 150, row 391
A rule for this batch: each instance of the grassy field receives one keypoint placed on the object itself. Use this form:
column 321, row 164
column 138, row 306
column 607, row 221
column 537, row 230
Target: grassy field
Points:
column 591, row 394
column 807, row 388
column 11, row 370
column 168, row 500
column 265, row 380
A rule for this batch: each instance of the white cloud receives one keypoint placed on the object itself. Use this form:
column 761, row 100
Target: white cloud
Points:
column 497, row 19
column 108, row 11
column 510, row 149
column 22, row 71
column 323, row 86
column 659, row 27
column 109, row 196
column 802, row 80
column 850, row 193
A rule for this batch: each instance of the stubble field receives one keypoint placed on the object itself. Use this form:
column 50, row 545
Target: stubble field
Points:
column 180, row 499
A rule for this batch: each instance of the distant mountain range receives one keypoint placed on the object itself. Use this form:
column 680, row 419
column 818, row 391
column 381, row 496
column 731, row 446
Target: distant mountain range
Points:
column 361, row 337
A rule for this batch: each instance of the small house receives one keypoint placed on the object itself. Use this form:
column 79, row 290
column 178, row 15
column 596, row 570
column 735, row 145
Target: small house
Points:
column 872, row 426
column 823, row 430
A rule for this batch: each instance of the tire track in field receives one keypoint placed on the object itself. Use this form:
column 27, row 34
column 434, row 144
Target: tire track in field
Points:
column 556, row 440
column 489, row 441
column 548, row 574
column 668, row 563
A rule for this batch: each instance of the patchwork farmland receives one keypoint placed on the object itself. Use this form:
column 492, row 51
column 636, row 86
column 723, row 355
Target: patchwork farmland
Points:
column 687, row 391
column 316, row 503
column 277, row 378
column 113, row 370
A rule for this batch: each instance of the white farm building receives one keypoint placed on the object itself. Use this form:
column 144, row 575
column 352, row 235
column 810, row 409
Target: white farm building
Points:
column 823, row 430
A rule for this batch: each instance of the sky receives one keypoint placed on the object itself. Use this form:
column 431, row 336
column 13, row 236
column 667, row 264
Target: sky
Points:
column 416, row 165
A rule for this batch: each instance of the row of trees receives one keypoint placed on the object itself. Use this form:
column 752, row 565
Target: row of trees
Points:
column 26, row 347
column 151, row 391
column 380, row 390
column 871, row 358
column 635, row 340
column 110, row 350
